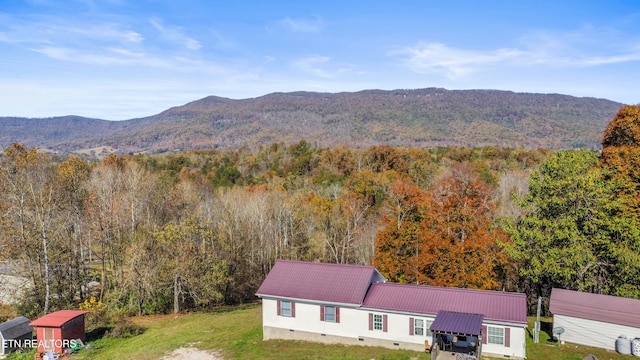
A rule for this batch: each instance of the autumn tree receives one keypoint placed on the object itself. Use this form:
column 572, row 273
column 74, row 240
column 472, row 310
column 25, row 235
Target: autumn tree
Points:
column 33, row 198
column 444, row 237
column 338, row 160
column 383, row 158
column 620, row 163
column 460, row 245
column 120, row 200
column 144, row 290
column 106, row 217
column 201, row 228
column 621, row 154
column 193, row 272
column 340, row 226
column 400, row 240
column 71, row 177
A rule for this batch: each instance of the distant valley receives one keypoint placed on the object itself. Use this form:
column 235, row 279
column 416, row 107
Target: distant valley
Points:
column 409, row 118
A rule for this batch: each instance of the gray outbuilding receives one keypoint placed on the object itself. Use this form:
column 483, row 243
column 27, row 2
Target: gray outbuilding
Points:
column 13, row 333
column 593, row 319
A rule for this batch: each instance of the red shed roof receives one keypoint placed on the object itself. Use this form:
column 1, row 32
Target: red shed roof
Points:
column 336, row 283
column 605, row 308
column 58, row 318
column 417, row 299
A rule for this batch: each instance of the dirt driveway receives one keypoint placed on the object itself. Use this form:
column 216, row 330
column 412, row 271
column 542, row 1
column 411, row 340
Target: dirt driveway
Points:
column 191, row 353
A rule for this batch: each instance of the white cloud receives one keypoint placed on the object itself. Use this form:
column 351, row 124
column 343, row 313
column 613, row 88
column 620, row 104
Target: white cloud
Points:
column 59, row 30
column 322, row 66
column 174, row 34
column 300, row 25
column 586, row 46
column 114, row 56
column 540, row 49
column 106, row 57
column 100, row 31
column 99, row 43
column 439, row 58
column 614, row 59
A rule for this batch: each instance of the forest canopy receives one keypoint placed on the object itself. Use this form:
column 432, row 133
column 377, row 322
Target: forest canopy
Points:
column 198, row 229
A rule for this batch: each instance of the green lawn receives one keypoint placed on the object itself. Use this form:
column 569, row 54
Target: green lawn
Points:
column 236, row 333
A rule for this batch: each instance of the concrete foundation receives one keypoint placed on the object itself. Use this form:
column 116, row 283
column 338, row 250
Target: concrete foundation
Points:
column 272, row 333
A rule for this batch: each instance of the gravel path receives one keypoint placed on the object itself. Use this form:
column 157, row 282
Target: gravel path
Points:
column 190, row 353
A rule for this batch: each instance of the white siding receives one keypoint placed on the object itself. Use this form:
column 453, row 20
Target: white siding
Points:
column 354, row 324
column 517, row 343
column 592, row 333
column 398, row 329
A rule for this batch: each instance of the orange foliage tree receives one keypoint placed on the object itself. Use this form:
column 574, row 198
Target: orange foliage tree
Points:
column 621, row 154
column 447, row 239
column 620, row 162
column 400, row 240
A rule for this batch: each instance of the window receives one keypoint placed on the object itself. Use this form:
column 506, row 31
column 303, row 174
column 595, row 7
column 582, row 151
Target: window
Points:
column 428, row 327
column 377, row 322
column 330, row 313
column 286, row 308
column 418, row 327
column 495, row 335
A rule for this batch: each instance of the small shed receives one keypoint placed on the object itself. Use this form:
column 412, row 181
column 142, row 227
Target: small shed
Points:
column 593, row 319
column 56, row 330
column 14, row 333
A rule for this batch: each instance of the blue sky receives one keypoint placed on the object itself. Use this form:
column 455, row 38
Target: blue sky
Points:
column 122, row 59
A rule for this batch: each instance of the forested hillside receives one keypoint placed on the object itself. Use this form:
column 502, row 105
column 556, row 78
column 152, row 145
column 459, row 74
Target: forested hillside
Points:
column 197, row 229
column 408, row 118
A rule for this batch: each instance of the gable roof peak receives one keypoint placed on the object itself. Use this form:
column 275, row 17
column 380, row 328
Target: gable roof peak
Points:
column 321, row 282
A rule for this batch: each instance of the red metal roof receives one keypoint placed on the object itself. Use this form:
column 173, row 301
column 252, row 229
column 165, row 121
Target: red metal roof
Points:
column 58, row 318
column 605, row 308
column 458, row 323
column 418, row 299
column 336, row 283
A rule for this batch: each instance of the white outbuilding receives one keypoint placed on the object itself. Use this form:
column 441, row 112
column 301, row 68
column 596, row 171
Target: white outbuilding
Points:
column 593, row 319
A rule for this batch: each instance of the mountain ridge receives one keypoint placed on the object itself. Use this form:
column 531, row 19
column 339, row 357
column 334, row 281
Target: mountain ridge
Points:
column 404, row 117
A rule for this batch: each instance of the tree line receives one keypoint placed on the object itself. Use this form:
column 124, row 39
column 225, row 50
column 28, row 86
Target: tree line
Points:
column 163, row 233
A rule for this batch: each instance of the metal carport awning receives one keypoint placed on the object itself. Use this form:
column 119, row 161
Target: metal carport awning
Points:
column 450, row 322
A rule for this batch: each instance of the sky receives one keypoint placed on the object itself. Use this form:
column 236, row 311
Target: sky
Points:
column 124, row 59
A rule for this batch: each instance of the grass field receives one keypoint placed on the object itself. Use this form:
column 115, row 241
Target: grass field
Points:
column 236, row 333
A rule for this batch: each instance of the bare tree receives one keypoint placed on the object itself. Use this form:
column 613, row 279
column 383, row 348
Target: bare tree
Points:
column 31, row 192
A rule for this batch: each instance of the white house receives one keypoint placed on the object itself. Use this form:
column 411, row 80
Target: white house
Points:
column 353, row 304
column 593, row 319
